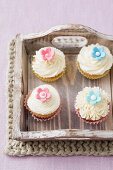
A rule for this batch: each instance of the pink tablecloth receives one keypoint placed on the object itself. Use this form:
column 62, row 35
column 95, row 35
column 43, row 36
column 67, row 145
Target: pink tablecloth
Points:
column 26, row 16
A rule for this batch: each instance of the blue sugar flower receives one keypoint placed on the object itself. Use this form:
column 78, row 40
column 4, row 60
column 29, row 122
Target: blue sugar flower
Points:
column 98, row 53
column 93, row 97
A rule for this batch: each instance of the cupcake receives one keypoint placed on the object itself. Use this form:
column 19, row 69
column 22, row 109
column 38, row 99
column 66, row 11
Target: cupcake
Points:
column 48, row 64
column 43, row 102
column 92, row 104
column 94, row 61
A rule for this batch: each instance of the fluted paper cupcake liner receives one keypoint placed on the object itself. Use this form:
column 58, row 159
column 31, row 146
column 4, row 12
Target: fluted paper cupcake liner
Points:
column 40, row 117
column 102, row 119
column 50, row 79
column 89, row 76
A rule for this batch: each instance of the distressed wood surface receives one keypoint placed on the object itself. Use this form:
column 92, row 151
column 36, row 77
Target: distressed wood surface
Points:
column 18, row 88
column 66, row 125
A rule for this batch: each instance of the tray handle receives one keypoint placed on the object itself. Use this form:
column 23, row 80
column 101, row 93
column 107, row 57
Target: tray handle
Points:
column 69, row 41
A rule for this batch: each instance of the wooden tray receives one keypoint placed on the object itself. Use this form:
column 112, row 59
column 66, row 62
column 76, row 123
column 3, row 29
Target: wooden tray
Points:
column 66, row 125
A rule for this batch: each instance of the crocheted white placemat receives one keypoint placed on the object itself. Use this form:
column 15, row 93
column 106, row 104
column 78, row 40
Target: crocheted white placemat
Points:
column 48, row 148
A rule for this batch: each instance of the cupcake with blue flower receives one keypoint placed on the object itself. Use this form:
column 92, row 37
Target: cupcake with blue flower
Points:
column 92, row 104
column 94, row 61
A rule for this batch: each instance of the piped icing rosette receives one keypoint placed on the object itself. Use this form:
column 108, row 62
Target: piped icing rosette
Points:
column 94, row 61
column 43, row 102
column 92, row 104
column 49, row 63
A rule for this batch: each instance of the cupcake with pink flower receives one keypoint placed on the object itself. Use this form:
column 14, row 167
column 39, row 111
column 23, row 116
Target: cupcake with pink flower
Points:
column 43, row 102
column 48, row 64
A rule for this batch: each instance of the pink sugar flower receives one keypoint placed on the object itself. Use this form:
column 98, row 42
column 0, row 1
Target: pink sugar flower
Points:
column 47, row 54
column 43, row 94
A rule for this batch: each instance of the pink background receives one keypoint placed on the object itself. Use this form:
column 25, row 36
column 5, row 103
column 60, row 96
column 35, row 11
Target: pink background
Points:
column 27, row 16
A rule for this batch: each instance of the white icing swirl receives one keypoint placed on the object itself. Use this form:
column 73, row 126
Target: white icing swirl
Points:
column 51, row 68
column 44, row 108
column 91, row 65
column 89, row 111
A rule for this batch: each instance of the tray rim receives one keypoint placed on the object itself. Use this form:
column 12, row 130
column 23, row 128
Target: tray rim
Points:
column 72, row 134
column 65, row 26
